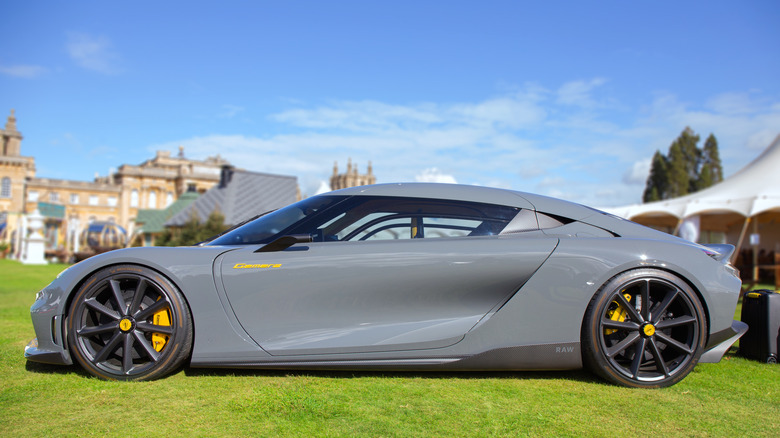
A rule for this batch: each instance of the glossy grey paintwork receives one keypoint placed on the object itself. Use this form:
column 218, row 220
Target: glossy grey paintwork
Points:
column 377, row 295
column 309, row 312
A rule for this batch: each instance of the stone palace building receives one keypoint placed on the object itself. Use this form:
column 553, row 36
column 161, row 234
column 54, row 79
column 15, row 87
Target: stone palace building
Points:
column 69, row 206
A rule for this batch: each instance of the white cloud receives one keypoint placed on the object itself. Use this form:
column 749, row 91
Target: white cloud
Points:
column 579, row 93
column 230, row 111
column 551, row 181
column 435, row 175
column 366, row 116
column 731, row 103
column 22, row 71
column 758, row 141
column 528, row 140
column 743, row 127
column 507, row 111
column 637, row 174
column 323, row 188
column 94, row 53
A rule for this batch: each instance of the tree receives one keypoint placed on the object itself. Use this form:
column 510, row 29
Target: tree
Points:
column 711, row 169
column 691, row 153
column 657, row 180
column 193, row 231
column 685, row 169
column 677, row 173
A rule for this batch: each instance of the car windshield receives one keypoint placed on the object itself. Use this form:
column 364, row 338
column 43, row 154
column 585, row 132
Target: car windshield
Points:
column 266, row 228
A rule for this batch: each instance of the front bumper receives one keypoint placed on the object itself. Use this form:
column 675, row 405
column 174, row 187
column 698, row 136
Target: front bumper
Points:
column 50, row 344
column 56, row 356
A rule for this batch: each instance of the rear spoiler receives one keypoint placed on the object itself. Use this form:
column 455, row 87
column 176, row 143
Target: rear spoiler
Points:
column 720, row 251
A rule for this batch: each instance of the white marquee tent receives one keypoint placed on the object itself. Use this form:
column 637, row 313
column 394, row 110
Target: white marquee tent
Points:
column 725, row 211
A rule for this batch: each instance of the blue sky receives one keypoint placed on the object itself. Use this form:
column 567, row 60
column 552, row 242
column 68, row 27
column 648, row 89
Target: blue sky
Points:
column 568, row 99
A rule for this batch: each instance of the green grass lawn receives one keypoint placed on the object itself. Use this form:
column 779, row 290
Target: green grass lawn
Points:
column 736, row 397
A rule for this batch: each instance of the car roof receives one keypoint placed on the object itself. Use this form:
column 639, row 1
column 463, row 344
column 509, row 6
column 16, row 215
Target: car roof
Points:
column 439, row 191
column 462, row 192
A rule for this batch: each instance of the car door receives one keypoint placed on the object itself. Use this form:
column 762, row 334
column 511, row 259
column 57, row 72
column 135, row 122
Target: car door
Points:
column 375, row 295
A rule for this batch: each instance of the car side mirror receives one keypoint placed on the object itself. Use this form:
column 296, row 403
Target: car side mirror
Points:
column 284, row 242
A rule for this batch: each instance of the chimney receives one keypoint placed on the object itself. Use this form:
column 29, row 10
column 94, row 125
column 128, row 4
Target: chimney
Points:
column 225, row 176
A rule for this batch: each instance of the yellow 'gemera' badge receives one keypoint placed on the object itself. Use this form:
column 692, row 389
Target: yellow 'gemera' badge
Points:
column 250, row 266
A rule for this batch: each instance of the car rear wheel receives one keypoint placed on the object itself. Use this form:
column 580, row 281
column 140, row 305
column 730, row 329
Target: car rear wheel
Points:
column 128, row 322
column 644, row 328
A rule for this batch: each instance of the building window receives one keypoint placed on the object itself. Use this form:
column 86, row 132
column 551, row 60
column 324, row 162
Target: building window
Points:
column 192, row 188
column 152, row 199
column 32, row 196
column 93, row 200
column 169, row 199
column 134, row 198
column 5, row 188
column 112, row 201
column 74, row 198
column 54, row 197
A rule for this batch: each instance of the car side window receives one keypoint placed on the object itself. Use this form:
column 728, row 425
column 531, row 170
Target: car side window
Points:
column 397, row 228
column 364, row 225
column 391, row 218
column 451, row 227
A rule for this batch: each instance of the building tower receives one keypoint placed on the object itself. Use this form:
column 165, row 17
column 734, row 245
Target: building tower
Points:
column 351, row 178
column 11, row 139
column 14, row 168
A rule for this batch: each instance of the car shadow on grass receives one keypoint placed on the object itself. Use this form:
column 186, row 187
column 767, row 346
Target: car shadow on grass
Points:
column 44, row 368
column 572, row 375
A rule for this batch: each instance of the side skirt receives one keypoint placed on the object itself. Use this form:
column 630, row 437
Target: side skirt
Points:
column 564, row 356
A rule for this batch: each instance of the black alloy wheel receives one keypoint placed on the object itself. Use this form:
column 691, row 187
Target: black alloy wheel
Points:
column 644, row 328
column 128, row 322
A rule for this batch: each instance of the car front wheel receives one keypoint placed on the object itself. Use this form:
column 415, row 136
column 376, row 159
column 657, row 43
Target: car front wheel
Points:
column 128, row 322
column 644, row 328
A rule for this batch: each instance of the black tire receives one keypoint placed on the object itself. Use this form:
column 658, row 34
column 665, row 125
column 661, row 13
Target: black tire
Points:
column 112, row 330
column 652, row 339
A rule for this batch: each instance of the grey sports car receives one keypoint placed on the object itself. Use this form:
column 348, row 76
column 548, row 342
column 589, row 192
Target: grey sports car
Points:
column 402, row 277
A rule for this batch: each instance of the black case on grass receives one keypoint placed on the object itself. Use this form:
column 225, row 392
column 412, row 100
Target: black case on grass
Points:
column 761, row 312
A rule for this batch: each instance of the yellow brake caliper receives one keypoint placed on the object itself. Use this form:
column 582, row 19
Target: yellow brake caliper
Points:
column 618, row 313
column 161, row 317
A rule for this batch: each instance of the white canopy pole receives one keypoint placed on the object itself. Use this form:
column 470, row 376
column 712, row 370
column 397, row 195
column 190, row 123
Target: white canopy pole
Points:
column 755, row 252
